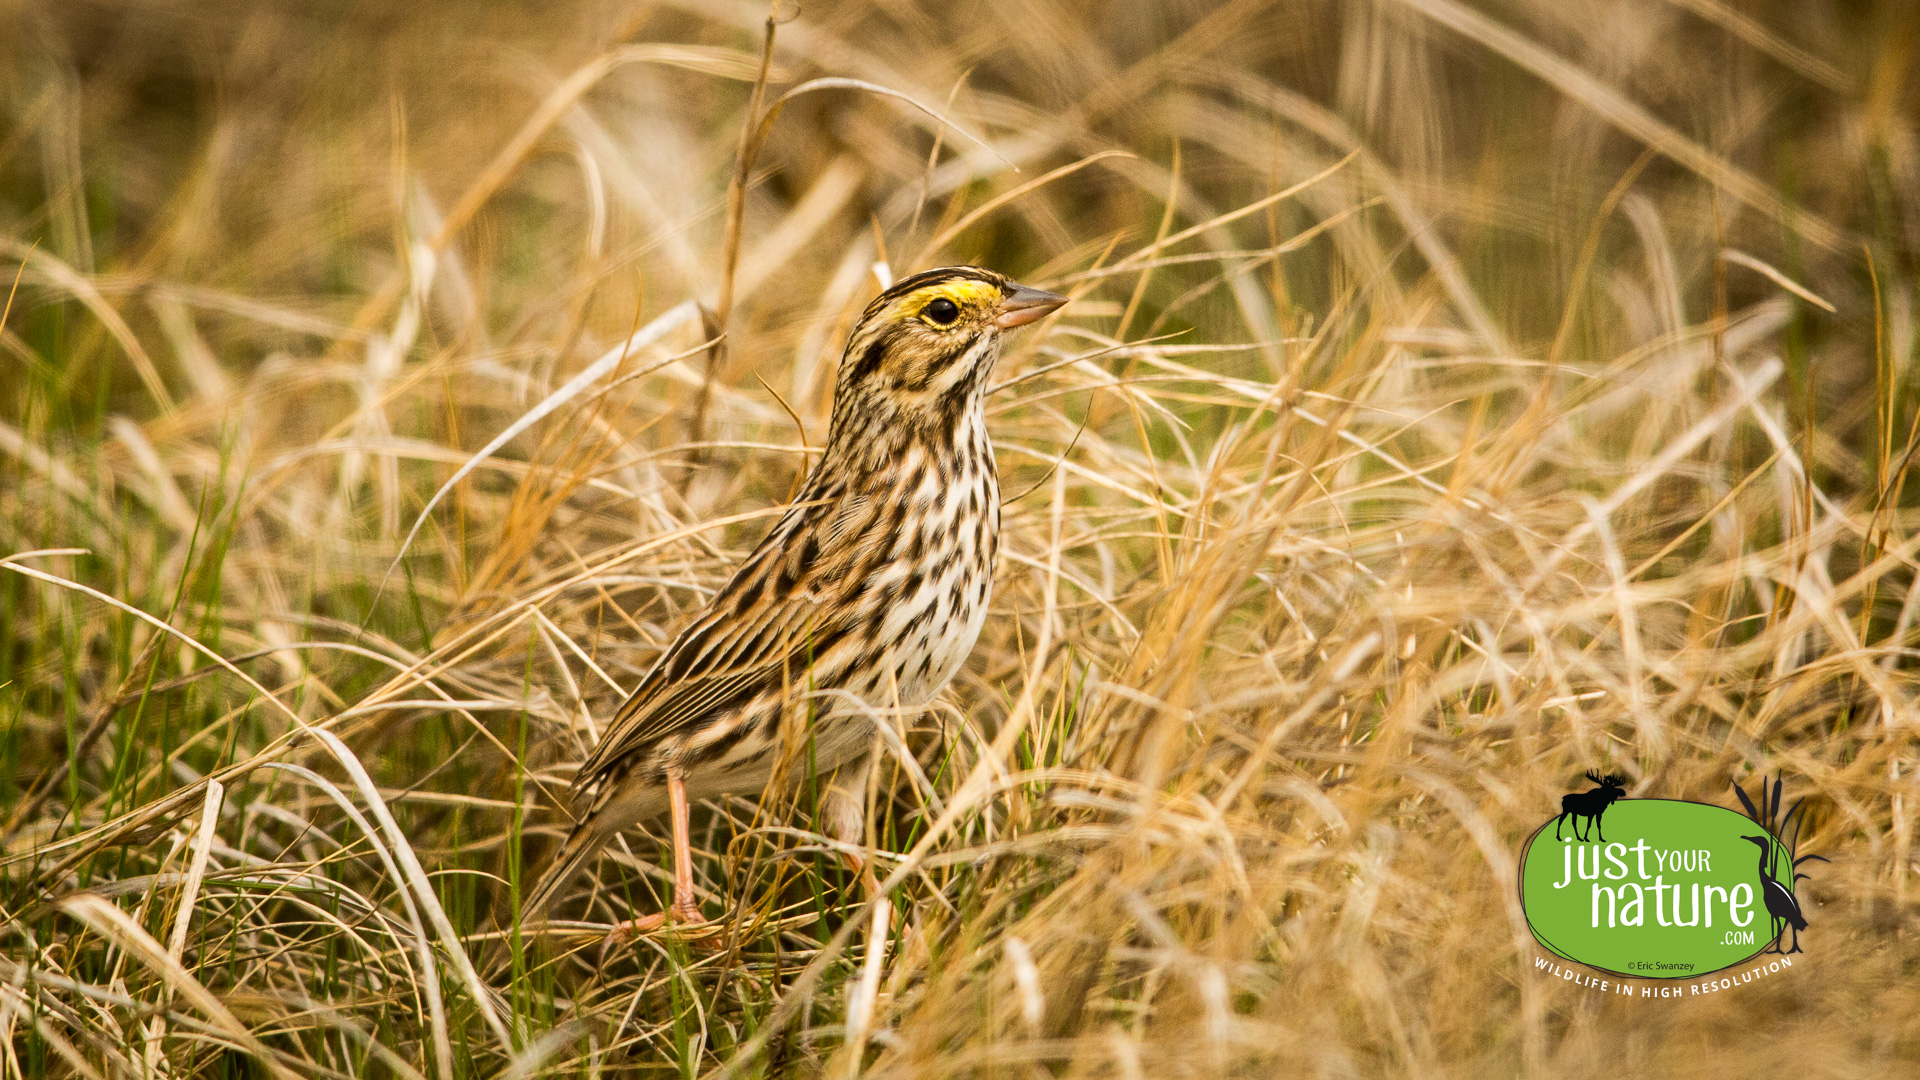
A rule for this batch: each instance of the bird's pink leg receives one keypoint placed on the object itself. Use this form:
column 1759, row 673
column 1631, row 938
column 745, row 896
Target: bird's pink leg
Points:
column 684, row 909
column 846, row 818
column 864, row 868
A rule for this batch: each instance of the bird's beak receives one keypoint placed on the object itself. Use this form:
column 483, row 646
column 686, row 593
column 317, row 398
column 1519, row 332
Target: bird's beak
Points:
column 1026, row 305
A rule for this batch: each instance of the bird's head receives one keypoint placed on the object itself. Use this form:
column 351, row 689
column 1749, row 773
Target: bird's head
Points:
column 1765, row 843
column 923, row 348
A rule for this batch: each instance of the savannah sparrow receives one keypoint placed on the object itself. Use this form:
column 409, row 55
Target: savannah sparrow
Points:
column 865, row 597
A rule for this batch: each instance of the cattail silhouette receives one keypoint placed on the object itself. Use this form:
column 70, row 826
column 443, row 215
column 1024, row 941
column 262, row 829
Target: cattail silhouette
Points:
column 1780, row 901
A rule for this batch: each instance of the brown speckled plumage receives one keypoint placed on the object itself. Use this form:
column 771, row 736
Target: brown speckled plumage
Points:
column 863, row 599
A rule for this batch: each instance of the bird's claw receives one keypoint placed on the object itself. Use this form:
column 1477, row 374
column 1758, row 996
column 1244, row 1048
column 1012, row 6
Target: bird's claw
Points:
column 683, row 922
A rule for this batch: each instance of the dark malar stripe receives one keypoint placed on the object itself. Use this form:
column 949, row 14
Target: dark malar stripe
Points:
column 954, row 402
column 869, row 361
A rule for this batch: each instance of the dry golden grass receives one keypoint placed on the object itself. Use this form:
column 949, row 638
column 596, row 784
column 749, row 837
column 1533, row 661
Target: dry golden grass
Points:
column 1458, row 396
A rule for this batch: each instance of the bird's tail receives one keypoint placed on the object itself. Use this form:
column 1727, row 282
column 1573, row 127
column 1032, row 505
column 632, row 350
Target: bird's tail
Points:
column 581, row 846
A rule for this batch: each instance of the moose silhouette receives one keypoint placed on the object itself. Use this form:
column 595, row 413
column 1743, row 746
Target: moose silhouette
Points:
column 1590, row 804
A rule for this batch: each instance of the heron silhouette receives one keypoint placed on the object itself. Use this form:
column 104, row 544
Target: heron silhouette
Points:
column 1779, row 898
column 1781, row 905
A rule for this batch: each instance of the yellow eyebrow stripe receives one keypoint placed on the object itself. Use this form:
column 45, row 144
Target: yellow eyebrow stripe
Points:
column 966, row 292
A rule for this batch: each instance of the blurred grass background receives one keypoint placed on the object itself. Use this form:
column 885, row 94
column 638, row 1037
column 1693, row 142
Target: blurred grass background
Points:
column 1457, row 397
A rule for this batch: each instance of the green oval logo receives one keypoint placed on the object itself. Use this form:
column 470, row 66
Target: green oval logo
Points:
column 1674, row 890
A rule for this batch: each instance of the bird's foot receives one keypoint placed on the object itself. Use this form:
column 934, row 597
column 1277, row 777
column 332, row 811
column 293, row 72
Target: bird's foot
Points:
column 682, row 921
column 686, row 916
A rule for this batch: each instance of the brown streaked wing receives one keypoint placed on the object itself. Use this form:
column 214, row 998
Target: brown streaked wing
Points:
column 725, row 658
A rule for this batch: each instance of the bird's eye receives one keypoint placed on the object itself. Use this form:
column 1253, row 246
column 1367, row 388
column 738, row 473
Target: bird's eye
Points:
column 942, row 311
